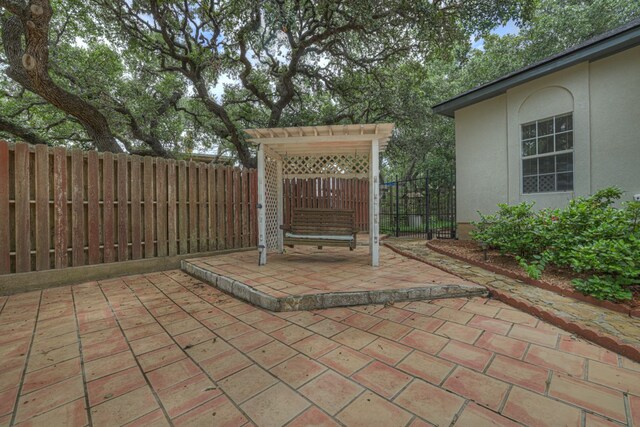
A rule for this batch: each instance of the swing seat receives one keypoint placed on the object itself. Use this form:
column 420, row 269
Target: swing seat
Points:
column 321, row 227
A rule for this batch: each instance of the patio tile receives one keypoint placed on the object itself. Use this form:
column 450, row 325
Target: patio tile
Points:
column 614, row 377
column 596, row 398
column 370, row 409
column 102, row 349
column 422, row 307
column 72, row 414
column 143, row 331
column 272, row 354
column 386, row 351
column 291, row 334
column 152, row 419
column 305, row 318
column 556, row 360
column 424, row 323
column 182, row 326
column 172, row 374
column 345, row 360
column 250, row 341
column 339, row 314
column 503, row 345
column 161, row 357
column 479, row 307
column 536, row 410
column 108, row 365
column 10, row 377
column 315, row 346
column 313, row 417
column 361, row 321
column 298, row 370
column 217, row 412
column 354, row 338
column 591, row 420
column 459, row 332
column 452, row 315
column 582, row 348
column 328, row 327
column 45, row 399
column 124, row 409
column 8, row 400
column 476, row 416
column 208, row 349
column 275, row 406
column 426, row 367
column 114, row 385
column 534, row 335
column 480, row 388
column 391, row 330
column 246, row 383
column 188, row 394
column 382, row 379
column 234, row 330
column 634, row 409
column 516, row 372
column 465, row 354
column 489, row 324
column 429, row 402
column 194, row 337
column 331, row 391
column 517, row 317
column 272, row 324
column 224, row 364
column 35, row 380
column 41, row 360
column 424, row 341
column 150, row 343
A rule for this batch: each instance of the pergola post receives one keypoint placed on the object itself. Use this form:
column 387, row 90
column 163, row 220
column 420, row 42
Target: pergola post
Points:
column 262, row 213
column 374, row 204
column 280, row 211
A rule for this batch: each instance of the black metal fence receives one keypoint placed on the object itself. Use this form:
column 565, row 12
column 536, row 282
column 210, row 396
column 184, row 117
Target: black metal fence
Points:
column 419, row 207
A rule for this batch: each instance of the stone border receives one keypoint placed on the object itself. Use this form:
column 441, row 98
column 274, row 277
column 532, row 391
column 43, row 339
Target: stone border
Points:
column 329, row 299
column 620, row 308
column 36, row 280
column 605, row 340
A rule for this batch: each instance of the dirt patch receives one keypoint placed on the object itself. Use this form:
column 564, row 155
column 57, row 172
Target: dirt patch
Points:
column 553, row 278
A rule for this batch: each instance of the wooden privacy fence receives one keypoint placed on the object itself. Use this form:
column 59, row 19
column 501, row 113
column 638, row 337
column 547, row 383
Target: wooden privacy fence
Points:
column 332, row 193
column 61, row 208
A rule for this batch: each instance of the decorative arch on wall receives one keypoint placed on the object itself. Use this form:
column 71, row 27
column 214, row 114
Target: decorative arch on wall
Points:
column 546, row 102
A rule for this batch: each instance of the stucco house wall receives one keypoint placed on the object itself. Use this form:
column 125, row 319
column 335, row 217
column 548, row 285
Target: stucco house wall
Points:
column 604, row 98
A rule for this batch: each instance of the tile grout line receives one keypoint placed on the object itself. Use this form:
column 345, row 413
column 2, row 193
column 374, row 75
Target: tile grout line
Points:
column 26, row 362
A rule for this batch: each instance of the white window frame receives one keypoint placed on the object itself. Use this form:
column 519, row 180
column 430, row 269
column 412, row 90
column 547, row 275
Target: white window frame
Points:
column 549, row 154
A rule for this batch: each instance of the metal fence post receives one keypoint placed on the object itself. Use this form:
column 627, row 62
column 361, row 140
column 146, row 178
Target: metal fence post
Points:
column 427, row 212
column 397, row 209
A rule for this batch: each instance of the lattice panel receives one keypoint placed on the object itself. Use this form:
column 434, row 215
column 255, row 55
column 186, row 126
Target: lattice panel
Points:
column 271, row 202
column 351, row 165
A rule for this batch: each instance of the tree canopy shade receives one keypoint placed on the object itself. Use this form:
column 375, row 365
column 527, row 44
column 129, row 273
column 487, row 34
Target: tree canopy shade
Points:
column 131, row 74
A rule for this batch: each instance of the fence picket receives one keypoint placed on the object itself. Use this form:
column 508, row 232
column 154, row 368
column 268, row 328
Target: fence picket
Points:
column 5, row 236
column 93, row 207
column 161, row 206
column 77, row 208
column 60, row 199
column 123, row 208
column 149, row 247
column 136, row 209
column 172, row 217
column 42, row 208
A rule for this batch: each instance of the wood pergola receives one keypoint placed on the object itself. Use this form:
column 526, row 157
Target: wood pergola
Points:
column 343, row 151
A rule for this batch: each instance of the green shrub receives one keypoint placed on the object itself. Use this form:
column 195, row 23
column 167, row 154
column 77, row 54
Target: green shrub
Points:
column 589, row 236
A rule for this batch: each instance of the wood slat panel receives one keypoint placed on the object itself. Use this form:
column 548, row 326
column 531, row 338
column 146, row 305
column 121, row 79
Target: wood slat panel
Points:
column 22, row 209
column 60, row 199
column 245, row 208
column 211, row 207
column 93, row 207
column 193, row 207
column 183, row 220
column 172, row 212
column 161, row 205
column 77, row 208
column 237, row 201
column 203, row 234
column 123, row 208
column 220, row 207
column 136, row 209
column 229, row 206
column 108, row 211
column 43, row 240
column 148, row 178
column 5, row 223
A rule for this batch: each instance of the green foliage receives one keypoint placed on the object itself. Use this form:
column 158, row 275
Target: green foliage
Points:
column 590, row 235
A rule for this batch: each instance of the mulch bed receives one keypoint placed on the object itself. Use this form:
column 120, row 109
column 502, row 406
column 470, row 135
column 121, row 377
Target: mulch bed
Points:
column 553, row 279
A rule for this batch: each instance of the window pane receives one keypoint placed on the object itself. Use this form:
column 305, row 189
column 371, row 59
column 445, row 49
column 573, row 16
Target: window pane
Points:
column 545, row 145
column 529, row 148
column 529, row 131
column 530, row 167
column 547, row 183
column 564, row 123
column 547, row 164
column 564, row 141
column 530, row 184
column 545, row 127
column 565, row 181
column 564, row 162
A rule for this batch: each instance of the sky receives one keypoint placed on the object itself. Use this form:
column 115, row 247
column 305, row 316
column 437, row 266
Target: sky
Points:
column 509, row 28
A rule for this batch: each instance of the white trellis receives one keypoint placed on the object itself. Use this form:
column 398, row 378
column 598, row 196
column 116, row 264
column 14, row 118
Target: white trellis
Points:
column 350, row 151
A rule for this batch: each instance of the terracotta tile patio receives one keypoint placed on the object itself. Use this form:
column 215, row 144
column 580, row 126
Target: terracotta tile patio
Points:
column 307, row 277
column 163, row 348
